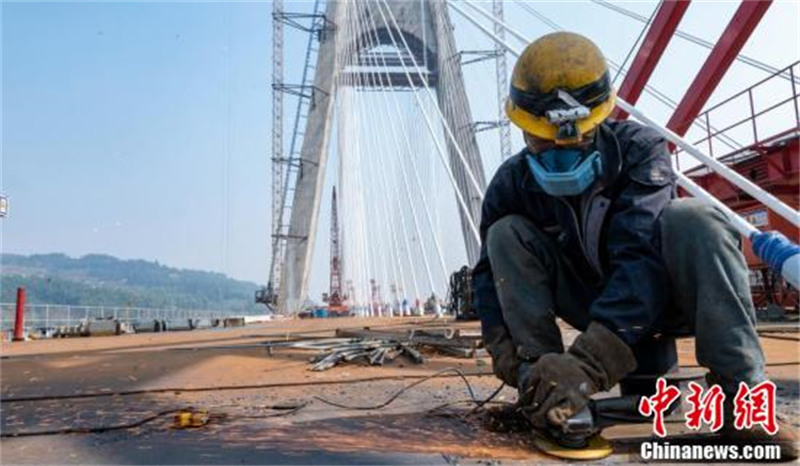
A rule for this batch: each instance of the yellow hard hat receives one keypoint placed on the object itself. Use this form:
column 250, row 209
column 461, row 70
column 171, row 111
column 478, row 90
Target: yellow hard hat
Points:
column 560, row 88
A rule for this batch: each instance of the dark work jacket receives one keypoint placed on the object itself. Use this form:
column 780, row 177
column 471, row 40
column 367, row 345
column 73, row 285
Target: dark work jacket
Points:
column 613, row 239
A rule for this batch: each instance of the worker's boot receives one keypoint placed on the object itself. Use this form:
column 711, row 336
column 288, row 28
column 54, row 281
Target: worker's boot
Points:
column 786, row 437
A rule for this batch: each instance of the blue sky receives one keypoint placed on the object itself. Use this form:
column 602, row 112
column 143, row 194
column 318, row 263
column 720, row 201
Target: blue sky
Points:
column 142, row 129
column 139, row 130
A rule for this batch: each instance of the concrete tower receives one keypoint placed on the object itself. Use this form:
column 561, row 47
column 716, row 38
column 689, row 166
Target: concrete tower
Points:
column 426, row 28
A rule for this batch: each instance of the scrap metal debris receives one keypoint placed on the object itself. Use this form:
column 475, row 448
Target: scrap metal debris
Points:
column 374, row 347
column 376, row 353
column 380, row 347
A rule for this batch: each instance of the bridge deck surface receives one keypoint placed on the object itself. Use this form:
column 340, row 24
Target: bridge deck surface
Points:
column 120, row 380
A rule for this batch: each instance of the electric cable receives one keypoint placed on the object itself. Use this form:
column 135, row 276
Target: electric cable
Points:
column 91, row 430
column 479, row 403
column 286, row 409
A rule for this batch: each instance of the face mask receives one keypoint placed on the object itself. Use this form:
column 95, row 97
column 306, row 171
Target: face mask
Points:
column 565, row 172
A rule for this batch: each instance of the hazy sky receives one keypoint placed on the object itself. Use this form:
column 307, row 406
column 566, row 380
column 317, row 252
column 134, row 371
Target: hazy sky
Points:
column 142, row 129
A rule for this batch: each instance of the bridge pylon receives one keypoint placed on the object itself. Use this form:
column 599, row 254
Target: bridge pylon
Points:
column 424, row 31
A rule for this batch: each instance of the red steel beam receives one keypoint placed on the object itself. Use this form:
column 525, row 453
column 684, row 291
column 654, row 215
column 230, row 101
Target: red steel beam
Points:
column 655, row 42
column 719, row 60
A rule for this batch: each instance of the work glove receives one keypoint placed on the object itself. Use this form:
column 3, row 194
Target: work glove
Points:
column 501, row 348
column 558, row 385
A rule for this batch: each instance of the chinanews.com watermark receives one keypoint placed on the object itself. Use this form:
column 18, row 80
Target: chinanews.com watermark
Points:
column 658, row 451
column 751, row 408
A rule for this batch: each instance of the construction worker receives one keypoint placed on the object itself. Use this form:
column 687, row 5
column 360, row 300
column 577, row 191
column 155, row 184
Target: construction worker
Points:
column 584, row 225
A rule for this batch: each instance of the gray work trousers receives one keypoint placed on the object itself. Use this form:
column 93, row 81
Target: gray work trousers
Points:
column 710, row 293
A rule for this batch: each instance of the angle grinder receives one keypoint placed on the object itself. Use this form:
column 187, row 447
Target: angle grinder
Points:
column 579, row 437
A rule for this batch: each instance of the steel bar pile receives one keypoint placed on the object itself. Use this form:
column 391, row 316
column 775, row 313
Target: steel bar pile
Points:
column 379, row 347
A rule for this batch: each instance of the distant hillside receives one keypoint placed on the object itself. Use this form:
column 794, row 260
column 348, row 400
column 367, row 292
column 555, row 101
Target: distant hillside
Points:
column 98, row 279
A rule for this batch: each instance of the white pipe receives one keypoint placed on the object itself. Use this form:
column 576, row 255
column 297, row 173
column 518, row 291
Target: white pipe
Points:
column 726, row 172
column 740, row 224
column 738, row 180
column 791, row 270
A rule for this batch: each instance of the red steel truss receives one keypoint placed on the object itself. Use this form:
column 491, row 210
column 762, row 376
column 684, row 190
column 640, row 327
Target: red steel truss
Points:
column 655, row 42
column 737, row 32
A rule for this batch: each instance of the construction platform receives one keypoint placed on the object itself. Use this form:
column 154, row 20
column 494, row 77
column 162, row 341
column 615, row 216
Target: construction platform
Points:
column 114, row 400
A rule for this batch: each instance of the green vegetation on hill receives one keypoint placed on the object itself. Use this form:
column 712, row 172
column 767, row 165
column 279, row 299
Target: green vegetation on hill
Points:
column 103, row 280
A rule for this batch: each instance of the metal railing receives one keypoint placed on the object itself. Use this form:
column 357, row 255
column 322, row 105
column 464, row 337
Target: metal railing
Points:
column 55, row 315
column 750, row 138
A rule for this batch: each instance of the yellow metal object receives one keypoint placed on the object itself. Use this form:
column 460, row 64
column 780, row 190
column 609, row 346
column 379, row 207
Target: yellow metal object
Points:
column 561, row 60
column 598, row 448
column 187, row 419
